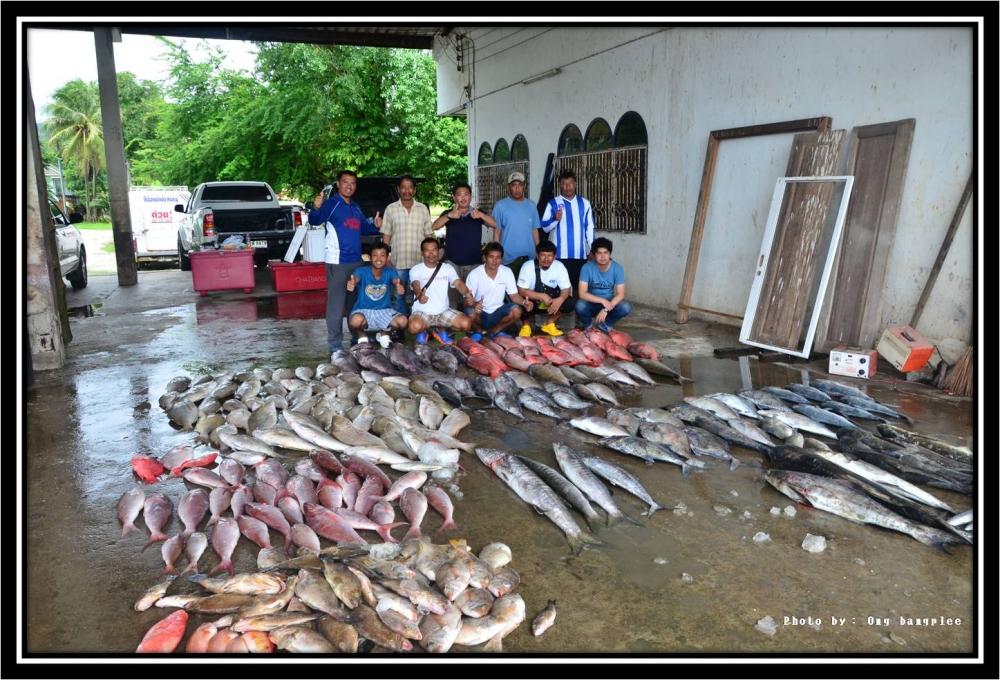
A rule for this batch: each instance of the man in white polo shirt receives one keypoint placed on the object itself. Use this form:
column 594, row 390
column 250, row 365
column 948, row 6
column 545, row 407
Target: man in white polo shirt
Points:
column 489, row 283
column 545, row 281
column 431, row 280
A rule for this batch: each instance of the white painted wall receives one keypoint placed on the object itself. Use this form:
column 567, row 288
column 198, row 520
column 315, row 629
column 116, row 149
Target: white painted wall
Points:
column 685, row 82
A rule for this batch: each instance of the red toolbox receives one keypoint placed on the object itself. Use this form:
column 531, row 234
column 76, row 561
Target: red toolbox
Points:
column 222, row 270
column 290, row 276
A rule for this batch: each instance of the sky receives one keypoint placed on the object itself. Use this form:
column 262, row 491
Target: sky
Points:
column 57, row 57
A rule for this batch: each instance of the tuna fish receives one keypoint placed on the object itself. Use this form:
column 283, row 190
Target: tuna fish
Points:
column 564, row 488
column 532, row 490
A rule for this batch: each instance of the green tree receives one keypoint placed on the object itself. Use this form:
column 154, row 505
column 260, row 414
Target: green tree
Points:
column 74, row 129
column 142, row 107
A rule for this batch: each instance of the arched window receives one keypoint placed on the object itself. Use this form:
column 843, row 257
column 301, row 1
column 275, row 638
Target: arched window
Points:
column 599, row 135
column 501, row 152
column 570, row 141
column 630, row 131
column 519, row 149
column 485, row 154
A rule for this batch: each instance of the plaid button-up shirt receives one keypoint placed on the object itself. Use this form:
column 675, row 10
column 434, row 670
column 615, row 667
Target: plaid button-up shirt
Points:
column 407, row 230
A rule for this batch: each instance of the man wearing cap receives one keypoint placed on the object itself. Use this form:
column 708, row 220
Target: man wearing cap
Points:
column 570, row 221
column 517, row 224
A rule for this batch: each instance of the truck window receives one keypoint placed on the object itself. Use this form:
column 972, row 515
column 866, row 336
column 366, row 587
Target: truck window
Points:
column 244, row 194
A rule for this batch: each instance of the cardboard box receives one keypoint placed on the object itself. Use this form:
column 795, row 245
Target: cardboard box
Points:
column 904, row 348
column 853, row 361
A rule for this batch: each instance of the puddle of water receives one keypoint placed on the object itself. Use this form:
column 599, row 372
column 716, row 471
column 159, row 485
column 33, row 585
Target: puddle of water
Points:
column 309, row 304
column 86, row 311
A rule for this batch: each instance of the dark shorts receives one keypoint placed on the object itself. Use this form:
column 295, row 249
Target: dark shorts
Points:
column 488, row 321
column 567, row 306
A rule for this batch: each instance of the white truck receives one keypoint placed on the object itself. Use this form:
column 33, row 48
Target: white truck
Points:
column 217, row 210
column 154, row 228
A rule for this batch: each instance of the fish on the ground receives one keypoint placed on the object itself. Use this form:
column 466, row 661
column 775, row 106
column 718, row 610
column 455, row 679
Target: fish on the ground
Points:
column 156, row 512
column 785, row 395
column 838, row 498
column 799, row 422
column 598, row 426
column 225, row 535
column 193, row 506
column 533, row 491
column 823, row 416
column 564, row 488
column 737, row 403
column 170, row 551
column 622, row 478
column 165, row 635
column 438, row 499
column 544, row 620
column 193, row 550
column 150, row 597
column 572, row 465
column 129, row 507
column 809, row 392
column 147, row 468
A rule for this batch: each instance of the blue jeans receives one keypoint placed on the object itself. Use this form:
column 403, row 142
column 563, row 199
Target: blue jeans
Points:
column 399, row 301
column 586, row 311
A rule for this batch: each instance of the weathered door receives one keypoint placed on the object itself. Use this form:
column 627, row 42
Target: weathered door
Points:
column 877, row 159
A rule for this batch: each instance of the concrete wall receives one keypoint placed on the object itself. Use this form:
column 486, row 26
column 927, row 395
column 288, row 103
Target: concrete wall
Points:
column 685, row 82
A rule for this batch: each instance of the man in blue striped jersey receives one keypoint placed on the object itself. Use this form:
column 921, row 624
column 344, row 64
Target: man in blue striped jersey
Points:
column 569, row 220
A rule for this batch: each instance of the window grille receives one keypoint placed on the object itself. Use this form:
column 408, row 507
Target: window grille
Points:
column 614, row 181
column 491, row 182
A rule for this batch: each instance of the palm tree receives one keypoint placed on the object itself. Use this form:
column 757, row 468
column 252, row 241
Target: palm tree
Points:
column 74, row 128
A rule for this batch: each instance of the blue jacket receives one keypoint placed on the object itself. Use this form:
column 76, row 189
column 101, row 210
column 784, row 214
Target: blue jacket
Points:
column 343, row 242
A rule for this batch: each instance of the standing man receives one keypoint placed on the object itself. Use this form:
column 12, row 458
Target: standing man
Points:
column 570, row 219
column 545, row 281
column 431, row 280
column 344, row 223
column 602, row 289
column 517, row 223
column 463, row 238
column 406, row 223
column 489, row 284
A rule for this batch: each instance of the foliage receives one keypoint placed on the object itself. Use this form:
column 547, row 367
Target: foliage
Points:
column 305, row 112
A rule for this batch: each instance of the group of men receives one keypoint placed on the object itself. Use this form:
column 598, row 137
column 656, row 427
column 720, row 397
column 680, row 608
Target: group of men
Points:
column 469, row 287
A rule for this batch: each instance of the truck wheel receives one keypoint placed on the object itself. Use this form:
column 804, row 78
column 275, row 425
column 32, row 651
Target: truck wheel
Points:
column 78, row 279
column 185, row 261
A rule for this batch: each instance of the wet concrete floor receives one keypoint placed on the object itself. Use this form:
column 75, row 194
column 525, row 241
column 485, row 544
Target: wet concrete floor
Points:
column 87, row 420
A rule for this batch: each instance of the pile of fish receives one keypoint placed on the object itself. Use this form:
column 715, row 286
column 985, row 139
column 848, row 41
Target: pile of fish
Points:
column 491, row 357
column 552, row 493
column 394, row 595
column 871, row 479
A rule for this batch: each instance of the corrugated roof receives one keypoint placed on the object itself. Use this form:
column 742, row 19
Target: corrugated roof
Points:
column 413, row 36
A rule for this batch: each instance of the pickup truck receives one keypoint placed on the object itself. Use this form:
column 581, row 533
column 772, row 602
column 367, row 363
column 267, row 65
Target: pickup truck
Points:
column 217, row 210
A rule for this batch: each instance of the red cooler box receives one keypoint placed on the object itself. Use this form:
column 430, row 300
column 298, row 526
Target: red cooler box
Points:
column 222, row 270
column 290, row 276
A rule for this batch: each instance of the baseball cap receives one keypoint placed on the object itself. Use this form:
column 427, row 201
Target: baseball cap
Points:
column 515, row 177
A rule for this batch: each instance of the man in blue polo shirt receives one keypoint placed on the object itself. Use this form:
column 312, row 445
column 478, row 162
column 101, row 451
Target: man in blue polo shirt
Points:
column 602, row 289
column 517, row 224
column 344, row 224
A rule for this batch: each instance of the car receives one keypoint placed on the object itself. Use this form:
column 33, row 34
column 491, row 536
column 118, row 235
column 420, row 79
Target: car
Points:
column 69, row 243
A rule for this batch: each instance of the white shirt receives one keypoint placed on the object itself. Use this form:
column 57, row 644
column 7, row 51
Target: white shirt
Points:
column 555, row 276
column 491, row 291
column 437, row 294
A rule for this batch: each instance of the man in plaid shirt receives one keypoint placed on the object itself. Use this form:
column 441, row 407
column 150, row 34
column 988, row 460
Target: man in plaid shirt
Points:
column 406, row 223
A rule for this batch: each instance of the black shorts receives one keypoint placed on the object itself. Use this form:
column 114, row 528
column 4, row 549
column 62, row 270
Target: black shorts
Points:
column 567, row 306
